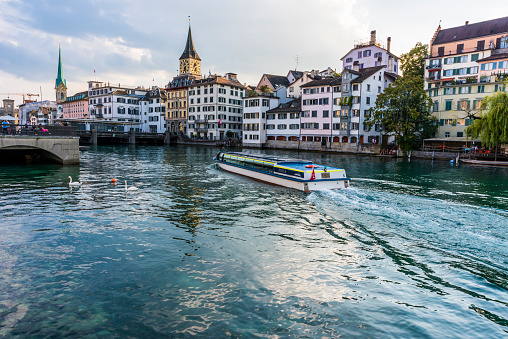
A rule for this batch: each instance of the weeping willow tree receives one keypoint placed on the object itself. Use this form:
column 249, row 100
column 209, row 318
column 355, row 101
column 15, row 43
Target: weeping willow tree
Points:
column 492, row 126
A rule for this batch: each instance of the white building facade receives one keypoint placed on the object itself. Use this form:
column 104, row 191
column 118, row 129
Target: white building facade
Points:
column 254, row 118
column 108, row 102
column 216, row 108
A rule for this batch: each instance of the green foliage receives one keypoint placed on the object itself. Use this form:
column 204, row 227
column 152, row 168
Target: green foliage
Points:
column 229, row 134
column 252, row 93
column 412, row 64
column 492, row 127
column 404, row 107
column 265, row 89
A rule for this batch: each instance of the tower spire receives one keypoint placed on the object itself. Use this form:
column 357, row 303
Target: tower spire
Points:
column 59, row 75
column 189, row 51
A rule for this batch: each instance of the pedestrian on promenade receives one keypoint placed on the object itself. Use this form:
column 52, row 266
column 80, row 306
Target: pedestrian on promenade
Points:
column 5, row 124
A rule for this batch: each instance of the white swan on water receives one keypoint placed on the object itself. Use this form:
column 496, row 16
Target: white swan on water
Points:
column 73, row 183
column 132, row 188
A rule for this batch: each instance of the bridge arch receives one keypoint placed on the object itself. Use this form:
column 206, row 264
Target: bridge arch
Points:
column 64, row 150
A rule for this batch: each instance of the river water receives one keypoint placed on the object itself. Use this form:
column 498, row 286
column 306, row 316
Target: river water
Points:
column 412, row 250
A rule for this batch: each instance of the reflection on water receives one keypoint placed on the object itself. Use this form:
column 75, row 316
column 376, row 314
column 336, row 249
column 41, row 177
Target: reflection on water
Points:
column 413, row 249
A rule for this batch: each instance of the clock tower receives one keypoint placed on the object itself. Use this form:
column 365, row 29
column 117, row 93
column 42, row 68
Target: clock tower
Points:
column 60, row 83
column 190, row 63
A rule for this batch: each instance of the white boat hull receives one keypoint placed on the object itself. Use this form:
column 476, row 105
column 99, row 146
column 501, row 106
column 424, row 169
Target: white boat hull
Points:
column 302, row 185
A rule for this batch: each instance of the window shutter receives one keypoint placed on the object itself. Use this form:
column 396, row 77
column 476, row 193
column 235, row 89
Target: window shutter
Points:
column 453, row 92
column 495, row 88
column 469, row 89
column 474, row 103
column 469, row 101
column 454, row 122
column 441, row 122
column 494, row 64
column 458, row 105
column 468, row 121
column 498, row 43
column 483, row 67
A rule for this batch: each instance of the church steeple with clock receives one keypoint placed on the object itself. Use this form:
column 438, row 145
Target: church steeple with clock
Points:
column 190, row 63
column 60, row 83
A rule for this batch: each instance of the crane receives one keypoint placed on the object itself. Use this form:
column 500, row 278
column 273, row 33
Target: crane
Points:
column 22, row 94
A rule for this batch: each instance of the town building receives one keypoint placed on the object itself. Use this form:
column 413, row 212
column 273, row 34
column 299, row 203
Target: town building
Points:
column 177, row 89
column 465, row 64
column 371, row 53
column 254, row 118
column 76, row 106
column 216, row 107
column 28, row 111
column 335, row 110
column 111, row 102
column 153, row 111
column 283, row 122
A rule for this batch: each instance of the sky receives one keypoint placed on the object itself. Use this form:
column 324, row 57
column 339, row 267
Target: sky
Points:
column 138, row 43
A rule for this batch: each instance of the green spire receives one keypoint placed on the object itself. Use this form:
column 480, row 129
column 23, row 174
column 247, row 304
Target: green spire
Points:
column 59, row 77
column 190, row 51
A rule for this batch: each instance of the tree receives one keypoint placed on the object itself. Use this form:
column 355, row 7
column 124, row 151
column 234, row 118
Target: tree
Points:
column 492, row 126
column 404, row 107
column 265, row 89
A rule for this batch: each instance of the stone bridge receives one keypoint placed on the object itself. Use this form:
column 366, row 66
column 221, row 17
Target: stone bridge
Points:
column 64, row 150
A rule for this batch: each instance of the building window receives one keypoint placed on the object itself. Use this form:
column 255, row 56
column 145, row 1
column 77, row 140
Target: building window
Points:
column 446, row 134
column 448, row 105
column 325, row 114
column 504, row 42
column 460, row 134
column 349, row 60
column 326, row 126
column 368, row 101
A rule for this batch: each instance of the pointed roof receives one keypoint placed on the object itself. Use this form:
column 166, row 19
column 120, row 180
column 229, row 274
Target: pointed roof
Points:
column 189, row 51
column 59, row 77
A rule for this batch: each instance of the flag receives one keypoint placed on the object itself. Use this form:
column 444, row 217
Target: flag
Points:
column 313, row 175
column 220, row 122
column 209, row 72
column 94, row 71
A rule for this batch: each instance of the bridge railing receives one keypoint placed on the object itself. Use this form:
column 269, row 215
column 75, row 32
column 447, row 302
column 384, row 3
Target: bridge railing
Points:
column 39, row 130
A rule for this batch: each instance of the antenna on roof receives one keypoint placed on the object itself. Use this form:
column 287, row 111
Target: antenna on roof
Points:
column 440, row 23
column 297, row 58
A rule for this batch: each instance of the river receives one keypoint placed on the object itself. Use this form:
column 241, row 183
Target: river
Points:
column 413, row 249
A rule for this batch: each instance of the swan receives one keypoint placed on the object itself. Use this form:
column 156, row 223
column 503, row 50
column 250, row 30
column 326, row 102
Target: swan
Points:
column 132, row 188
column 73, row 184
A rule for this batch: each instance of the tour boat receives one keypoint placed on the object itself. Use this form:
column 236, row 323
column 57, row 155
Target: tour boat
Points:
column 293, row 173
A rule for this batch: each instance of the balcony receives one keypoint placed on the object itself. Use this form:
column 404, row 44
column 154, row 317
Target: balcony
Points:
column 201, row 130
column 434, row 78
column 201, row 121
column 434, row 67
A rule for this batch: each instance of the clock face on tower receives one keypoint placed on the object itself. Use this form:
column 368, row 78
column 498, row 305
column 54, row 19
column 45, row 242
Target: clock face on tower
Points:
column 184, row 66
column 195, row 67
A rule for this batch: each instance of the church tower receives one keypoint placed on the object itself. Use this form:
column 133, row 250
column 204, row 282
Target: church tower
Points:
column 60, row 83
column 190, row 63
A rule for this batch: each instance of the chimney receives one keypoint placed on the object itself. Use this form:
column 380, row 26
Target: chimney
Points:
column 467, row 23
column 388, row 43
column 356, row 66
column 372, row 37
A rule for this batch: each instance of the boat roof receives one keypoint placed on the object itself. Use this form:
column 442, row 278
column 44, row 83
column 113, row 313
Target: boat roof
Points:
column 271, row 158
